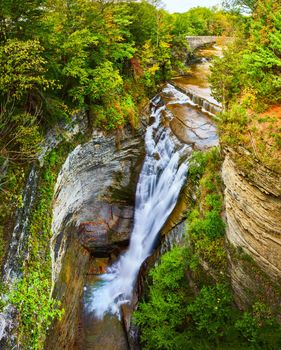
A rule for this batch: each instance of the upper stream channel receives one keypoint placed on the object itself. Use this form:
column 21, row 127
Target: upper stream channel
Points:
column 181, row 121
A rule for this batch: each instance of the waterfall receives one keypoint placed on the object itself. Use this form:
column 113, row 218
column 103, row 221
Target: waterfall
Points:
column 185, row 95
column 161, row 179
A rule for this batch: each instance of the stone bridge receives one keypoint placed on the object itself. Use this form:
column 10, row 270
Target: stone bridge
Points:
column 197, row 41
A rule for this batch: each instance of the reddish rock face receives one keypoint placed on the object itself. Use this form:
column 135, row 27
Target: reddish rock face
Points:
column 93, row 233
column 110, row 229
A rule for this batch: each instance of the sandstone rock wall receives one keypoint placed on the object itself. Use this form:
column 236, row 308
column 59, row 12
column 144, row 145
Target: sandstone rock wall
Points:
column 90, row 178
column 93, row 215
column 253, row 212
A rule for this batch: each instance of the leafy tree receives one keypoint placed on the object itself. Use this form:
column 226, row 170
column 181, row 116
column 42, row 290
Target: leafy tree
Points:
column 227, row 75
column 204, row 21
column 22, row 83
column 20, row 19
column 20, row 137
column 259, row 327
column 22, row 70
column 143, row 26
column 262, row 57
column 242, row 5
column 253, row 62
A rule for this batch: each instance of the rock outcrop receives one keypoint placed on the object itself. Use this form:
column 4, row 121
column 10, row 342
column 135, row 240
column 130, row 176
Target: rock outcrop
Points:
column 97, row 185
column 93, row 215
column 253, row 212
column 111, row 230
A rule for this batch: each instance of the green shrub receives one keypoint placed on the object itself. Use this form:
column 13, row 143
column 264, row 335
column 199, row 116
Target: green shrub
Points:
column 162, row 317
column 211, row 310
column 36, row 308
column 206, row 227
column 260, row 328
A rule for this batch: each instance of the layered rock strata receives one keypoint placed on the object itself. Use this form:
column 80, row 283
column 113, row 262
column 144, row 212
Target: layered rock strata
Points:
column 253, row 212
column 93, row 216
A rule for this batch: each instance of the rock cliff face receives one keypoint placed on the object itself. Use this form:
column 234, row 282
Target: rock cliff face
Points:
column 93, row 214
column 253, row 212
column 88, row 195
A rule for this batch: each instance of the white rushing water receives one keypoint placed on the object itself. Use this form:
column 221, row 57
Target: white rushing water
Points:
column 208, row 105
column 159, row 185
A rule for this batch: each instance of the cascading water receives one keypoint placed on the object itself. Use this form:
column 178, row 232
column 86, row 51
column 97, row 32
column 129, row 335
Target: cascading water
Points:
column 161, row 179
column 209, row 106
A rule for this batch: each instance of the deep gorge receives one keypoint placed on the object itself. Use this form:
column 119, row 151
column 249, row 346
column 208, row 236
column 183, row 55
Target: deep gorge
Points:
column 103, row 217
column 140, row 176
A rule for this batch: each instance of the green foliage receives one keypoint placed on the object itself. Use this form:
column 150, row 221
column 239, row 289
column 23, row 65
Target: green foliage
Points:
column 163, row 316
column 90, row 48
column 205, row 223
column 253, row 62
column 247, row 80
column 259, row 327
column 204, row 21
column 241, row 5
column 199, row 162
column 22, row 80
column 170, row 272
column 36, row 308
column 143, row 26
column 177, row 316
column 20, row 19
column 262, row 57
column 115, row 113
column 210, row 225
column 22, row 69
column 190, row 303
column 20, row 137
column 211, row 310
column 226, row 79
column 93, row 83
column 232, row 124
